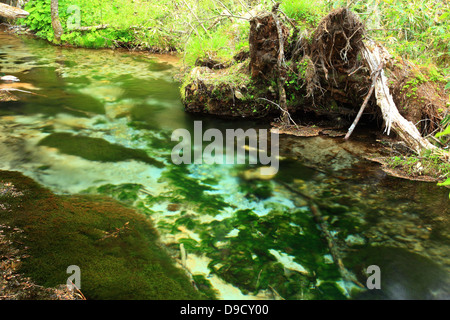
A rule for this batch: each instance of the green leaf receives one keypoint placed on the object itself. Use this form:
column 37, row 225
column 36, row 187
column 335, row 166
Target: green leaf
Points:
column 445, row 183
column 443, row 133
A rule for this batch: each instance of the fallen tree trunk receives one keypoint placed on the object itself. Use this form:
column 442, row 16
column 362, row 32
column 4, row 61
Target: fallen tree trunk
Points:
column 9, row 12
column 336, row 46
column 375, row 55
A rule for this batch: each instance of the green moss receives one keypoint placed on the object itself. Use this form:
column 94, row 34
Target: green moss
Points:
column 83, row 231
column 205, row 287
column 428, row 164
column 243, row 259
column 95, row 149
column 194, row 191
column 126, row 193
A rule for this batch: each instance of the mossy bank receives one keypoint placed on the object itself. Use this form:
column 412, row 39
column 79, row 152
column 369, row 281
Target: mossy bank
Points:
column 116, row 248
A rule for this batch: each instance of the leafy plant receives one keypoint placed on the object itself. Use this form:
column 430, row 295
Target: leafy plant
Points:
column 445, row 132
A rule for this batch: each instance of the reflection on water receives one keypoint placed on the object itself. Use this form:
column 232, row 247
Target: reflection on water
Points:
column 102, row 123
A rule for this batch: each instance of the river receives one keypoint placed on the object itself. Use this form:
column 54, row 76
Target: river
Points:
column 100, row 122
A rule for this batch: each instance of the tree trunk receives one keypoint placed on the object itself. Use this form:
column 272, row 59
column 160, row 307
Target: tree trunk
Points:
column 9, row 12
column 406, row 130
column 56, row 24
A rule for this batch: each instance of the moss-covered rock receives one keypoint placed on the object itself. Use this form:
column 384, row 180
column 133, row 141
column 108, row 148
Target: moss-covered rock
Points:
column 116, row 248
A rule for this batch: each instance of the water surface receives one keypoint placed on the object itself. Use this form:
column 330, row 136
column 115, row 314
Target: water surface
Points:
column 101, row 123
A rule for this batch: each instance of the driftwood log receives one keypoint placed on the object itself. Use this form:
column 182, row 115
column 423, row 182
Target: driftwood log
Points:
column 375, row 55
column 344, row 59
column 10, row 12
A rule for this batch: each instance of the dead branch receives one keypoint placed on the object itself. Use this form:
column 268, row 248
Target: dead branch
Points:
column 285, row 112
column 19, row 90
column 196, row 17
column 91, row 28
column 56, row 23
column 366, row 100
column 375, row 55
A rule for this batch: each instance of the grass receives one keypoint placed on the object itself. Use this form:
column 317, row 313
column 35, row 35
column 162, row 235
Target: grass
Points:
column 221, row 44
column 430, row 164
column 304, row 10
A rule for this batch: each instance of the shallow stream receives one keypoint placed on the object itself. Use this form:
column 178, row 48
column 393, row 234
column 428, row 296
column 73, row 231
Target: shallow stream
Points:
column 100, row 121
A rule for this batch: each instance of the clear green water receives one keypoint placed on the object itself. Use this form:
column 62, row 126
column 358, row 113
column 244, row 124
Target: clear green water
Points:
column 102, row 123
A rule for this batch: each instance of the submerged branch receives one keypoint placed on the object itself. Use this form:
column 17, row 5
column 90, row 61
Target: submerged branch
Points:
column 366, row 100
column 345, row 274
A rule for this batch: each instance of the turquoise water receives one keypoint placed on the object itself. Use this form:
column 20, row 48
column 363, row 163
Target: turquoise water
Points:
column 100, row 122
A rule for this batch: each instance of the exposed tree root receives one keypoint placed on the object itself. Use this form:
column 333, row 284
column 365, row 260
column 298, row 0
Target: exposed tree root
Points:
column 374, row 56
column 331, row 73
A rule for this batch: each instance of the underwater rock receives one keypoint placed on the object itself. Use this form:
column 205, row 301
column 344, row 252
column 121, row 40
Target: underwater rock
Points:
column 95, row 149
column 353, row 240
column 288, row 261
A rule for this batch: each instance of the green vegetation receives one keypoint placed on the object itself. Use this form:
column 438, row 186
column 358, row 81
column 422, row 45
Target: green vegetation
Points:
column 309, row 12
column 95, row 149
column 127, row 23
column 445, row 138
column 215, row 31
column 429, row 164
column 116, row 248
column 416, row 30
column 200, row 26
